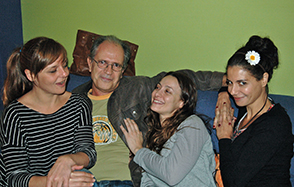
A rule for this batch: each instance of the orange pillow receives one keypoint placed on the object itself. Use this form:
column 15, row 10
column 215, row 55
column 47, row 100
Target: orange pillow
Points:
column 218, row 177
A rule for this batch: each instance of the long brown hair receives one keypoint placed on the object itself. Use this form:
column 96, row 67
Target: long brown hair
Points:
column 35, row 55
column 158, row 134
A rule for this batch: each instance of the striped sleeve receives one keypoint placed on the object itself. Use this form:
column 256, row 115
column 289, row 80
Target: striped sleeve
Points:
column 13, row 150
column 84, row 137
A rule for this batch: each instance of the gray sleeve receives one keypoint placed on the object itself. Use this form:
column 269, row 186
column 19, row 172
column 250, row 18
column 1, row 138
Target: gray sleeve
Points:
column 206, row 80
column 182, row 157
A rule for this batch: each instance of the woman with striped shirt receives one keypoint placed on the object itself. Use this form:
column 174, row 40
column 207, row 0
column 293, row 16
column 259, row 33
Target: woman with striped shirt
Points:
column 46, row 132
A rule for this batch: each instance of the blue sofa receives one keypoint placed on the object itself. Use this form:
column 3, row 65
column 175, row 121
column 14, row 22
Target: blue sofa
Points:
column 206, row 104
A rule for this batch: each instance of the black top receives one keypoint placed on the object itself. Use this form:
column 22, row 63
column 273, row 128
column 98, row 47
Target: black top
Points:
column 260, row 156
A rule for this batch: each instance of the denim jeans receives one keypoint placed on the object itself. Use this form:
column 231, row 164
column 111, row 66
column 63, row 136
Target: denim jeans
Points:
column 114, row 183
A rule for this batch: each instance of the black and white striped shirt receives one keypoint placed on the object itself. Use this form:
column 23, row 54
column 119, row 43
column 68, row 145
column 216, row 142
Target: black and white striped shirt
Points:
column 31, row 141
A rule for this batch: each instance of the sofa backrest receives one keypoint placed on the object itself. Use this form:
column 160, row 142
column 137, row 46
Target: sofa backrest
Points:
column 75, row 81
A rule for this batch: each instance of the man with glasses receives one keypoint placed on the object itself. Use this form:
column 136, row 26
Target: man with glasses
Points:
column 107, row 61
column 115, row 98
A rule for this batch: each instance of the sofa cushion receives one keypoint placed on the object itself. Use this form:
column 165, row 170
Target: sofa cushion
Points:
column 75, row 81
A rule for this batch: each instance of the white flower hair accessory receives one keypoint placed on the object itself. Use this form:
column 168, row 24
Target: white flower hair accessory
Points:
column 252, row 57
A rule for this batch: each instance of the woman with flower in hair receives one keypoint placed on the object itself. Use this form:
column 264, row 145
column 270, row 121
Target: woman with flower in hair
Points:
column 257, row 146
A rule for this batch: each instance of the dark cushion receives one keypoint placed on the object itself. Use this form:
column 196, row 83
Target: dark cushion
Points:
column 76, row 80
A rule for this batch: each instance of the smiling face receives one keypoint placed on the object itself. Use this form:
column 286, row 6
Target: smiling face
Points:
column 106, row 80
column 52, row 79
column 245, row 88
column 166, row 98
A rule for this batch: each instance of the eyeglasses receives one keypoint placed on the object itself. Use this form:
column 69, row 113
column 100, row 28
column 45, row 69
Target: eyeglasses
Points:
column 103, row 64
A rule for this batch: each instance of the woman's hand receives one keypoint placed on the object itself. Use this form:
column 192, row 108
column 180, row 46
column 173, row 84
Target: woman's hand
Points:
column 60, row 172
column 133, row 135
column 223, row 100
column 63, row 174
column 80, row 178
column 224, row 121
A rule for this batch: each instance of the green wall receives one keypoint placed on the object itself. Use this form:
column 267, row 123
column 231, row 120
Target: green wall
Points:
column 172, row 34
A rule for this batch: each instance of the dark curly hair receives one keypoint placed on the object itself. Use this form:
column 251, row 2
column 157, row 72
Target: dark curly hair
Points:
column 268, row 57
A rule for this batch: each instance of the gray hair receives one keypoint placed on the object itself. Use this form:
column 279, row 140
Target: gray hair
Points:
column 115, row 40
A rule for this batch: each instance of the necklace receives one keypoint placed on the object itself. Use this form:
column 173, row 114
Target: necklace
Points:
column 245, row 126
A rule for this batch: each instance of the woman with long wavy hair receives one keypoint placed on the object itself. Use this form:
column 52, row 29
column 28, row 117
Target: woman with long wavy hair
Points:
column 179, row 149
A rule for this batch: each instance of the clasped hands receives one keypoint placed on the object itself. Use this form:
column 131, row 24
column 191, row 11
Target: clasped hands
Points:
column 65, row 174
column 224, row 117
